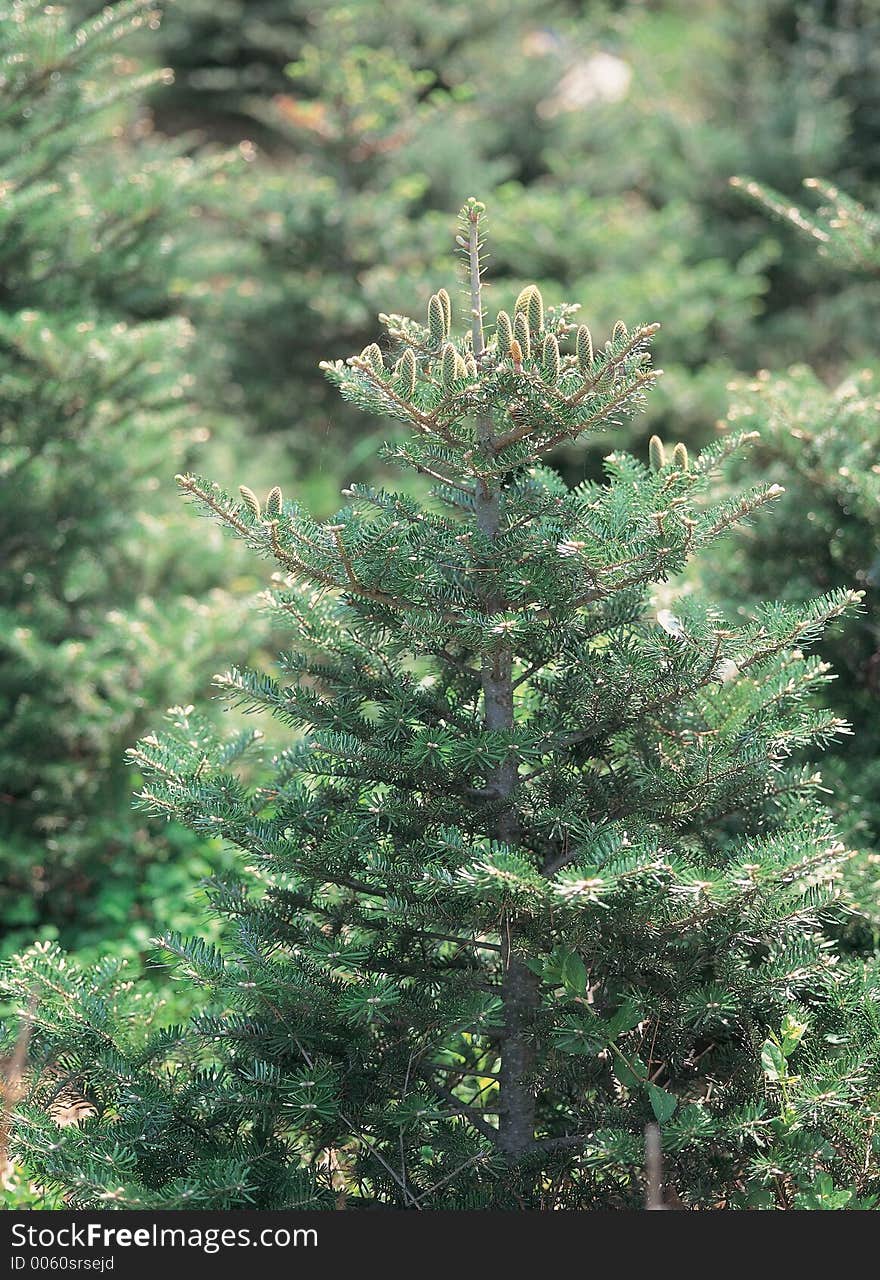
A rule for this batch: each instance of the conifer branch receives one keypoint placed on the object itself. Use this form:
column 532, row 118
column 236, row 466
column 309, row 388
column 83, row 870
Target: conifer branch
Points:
column 600, row 415
column 425, row 470
column 639, row 336
column 474, row 1115
column 426, row 423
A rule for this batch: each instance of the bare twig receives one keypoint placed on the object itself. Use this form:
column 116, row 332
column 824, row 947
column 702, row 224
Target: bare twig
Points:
column 653, row 1169
column 11, row 1082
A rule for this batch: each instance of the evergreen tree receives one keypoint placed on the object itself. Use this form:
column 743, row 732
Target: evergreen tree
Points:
column 101, row 616
column 535, row 868
column 782, row 90
column 822, row 442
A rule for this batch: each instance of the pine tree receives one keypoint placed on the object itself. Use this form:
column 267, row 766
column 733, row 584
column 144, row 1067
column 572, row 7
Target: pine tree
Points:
column 535, row 869
column 100, row 614
column 822, row 442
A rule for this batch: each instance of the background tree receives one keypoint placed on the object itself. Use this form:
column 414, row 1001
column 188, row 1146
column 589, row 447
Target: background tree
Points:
column 822, row 442
column 102, row 617
column 385, row 119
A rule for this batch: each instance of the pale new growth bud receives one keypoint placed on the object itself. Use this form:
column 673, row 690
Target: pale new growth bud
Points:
column 436, row 320
column 250, row 500
column 372, row 356
column 531, row 305
column 446, row 304
column 522, row 336
column 503, row 332
column 550, row 363
column 656, row 453
column 516, row 355
column 584, row 347
column 448, row 359
column 680, row 457
column 405, row 374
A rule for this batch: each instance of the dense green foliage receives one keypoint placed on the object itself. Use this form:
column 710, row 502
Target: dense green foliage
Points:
column 391, row 119
column 654, row 897
column 604, row 135
column 823, row 444
column 102, row 617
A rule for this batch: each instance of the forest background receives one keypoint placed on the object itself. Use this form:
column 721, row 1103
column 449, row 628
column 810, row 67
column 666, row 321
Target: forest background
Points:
column 201, row 205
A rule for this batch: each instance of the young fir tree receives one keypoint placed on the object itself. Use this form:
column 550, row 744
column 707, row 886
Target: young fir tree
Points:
column 101, row 616
column 535, row 869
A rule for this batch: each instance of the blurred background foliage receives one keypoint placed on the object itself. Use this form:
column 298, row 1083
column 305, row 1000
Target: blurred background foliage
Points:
column 104, row 613
column 180, row 248
column 603, row 134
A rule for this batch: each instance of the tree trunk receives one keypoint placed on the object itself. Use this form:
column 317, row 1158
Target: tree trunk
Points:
column 519, row 989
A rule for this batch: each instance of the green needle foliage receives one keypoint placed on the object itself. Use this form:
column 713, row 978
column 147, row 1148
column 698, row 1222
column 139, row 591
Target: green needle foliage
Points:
column 390, row 115
column 823, row 443
column 841, row 228
column 101, row 616
column 536, row 868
